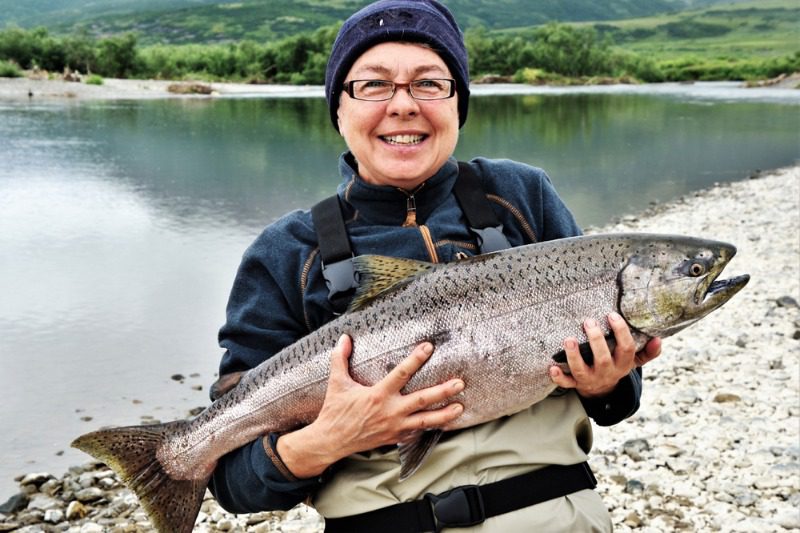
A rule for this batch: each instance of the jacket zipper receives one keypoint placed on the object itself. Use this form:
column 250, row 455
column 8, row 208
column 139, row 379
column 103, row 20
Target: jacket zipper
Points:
column 411, row 221
column 426, row 236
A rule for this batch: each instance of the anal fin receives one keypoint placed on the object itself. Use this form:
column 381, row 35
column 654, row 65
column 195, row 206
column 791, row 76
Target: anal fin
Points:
column 414, row 451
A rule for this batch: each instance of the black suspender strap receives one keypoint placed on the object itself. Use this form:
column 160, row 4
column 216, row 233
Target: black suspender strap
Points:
column 469, row 505
column 334, row 248
column 337, row 256
column 482, row 221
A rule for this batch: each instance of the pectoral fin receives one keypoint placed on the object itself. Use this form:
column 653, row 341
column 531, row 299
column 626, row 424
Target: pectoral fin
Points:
column 414, row 451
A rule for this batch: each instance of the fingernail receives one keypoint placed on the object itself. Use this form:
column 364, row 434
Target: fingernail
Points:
column 458, row 385
column 614, row 317
column 591, row 323
column 456, row 407
column 427, row 348
column 570, row 344
column 341, row 340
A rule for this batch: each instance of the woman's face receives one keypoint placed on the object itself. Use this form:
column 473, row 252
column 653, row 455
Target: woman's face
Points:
column 402, row 141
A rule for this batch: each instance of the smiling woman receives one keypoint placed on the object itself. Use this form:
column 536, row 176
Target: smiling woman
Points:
column 397, row 87
column 401, row 140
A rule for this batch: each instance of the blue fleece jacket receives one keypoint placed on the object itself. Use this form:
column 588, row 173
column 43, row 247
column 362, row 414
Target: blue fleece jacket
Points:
column 279, row 294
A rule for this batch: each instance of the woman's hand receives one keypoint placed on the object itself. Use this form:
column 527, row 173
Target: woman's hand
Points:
column 356, row 418
column 607, row 369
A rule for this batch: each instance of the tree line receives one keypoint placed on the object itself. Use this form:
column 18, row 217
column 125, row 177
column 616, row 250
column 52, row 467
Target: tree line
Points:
column 551, row 53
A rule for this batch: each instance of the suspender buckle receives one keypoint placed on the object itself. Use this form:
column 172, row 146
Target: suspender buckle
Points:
column 458, row 507
column 342, row 279
column 491, row 239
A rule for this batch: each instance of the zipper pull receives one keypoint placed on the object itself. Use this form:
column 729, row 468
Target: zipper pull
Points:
column 411, row 212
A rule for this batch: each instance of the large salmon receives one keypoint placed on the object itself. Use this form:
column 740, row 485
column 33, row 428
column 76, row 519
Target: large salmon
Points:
column 498, row 322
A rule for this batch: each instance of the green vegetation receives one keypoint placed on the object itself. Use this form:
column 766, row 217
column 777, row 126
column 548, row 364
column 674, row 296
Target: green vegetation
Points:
column 743, row 41
column 94, row 79
column 9, row 69
column 300, row 59
column 754, row 29
column 217, row 21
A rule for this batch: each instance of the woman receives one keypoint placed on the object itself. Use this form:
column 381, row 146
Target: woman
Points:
column 397, row 86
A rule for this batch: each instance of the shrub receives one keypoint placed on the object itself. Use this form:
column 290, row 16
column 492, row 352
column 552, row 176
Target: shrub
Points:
column 117, row 56
column 537, row 76
column 94, row 79
column 692, row 29
column 571, row 51
column 9, row 69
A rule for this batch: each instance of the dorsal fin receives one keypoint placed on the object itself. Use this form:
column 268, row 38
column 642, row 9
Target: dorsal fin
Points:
column 379, row 274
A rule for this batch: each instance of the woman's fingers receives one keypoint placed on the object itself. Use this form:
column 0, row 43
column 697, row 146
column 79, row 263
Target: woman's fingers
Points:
column 435, row 418
column 607, row 368
column 426, row 398
column 340, row 360
column 651, row 350
column 403, row 372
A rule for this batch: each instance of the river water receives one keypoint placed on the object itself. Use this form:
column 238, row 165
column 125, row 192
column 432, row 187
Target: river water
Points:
column 122, row 223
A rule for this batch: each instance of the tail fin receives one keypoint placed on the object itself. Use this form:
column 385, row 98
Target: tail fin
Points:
column 173, row 504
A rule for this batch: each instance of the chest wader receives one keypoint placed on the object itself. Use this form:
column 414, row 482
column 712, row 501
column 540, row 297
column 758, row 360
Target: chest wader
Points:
column 467, row 505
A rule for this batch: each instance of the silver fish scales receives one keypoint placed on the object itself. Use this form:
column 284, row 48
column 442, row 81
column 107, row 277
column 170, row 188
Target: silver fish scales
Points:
column 498, row 322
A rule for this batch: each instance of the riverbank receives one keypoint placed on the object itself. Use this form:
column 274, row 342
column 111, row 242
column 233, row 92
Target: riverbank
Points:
column 715, row 445
column 40, row 89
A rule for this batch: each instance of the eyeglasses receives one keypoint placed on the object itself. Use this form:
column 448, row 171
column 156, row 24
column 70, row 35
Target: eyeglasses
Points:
column 378, row 90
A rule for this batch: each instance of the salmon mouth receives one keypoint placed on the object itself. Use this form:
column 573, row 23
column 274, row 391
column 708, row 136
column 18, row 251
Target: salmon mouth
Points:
column 724, row 289
column 713, row 292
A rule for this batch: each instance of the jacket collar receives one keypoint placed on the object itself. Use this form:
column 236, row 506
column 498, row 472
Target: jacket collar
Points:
column 383, row 204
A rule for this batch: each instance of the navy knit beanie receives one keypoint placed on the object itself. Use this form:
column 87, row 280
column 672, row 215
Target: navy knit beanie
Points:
column 420, row 21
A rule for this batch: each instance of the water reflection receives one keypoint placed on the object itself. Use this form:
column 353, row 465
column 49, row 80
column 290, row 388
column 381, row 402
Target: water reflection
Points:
column 610, row 155
column 121, row 224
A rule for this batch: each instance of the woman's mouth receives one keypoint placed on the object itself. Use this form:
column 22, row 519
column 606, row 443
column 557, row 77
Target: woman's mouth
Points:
column 403, row 140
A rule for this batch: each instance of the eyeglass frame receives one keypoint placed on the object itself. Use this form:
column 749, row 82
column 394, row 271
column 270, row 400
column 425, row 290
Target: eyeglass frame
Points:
column 348, row 88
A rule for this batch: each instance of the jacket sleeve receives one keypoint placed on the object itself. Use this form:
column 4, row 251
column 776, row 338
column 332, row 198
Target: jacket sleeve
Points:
column 264, row 314
column 620, row 404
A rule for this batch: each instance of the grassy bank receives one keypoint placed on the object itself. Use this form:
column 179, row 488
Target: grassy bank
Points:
column 742, row 41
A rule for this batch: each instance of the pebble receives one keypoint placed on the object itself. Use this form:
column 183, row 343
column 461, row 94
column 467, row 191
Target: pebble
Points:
column 89, row 494
column 724, row 397
column 54, row 516
column 713, row 447
column 725, row 391
column 76, row 510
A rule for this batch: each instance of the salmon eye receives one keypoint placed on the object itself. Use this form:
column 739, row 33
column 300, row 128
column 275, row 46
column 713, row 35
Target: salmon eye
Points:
column 697, row 269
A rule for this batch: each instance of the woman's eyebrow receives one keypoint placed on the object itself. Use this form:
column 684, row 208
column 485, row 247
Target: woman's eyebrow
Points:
column 382, row 70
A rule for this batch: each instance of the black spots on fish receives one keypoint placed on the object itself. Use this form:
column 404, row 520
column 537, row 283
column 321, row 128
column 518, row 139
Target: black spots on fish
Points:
column 497, row 354
column 439, row 338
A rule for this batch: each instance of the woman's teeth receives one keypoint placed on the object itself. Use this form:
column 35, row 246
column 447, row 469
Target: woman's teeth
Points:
column 403, row 139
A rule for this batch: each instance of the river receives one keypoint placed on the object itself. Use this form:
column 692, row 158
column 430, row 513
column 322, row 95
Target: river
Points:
column 122, row 222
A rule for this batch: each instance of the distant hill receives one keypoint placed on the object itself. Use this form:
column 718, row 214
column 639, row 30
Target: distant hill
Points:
column 733, row 30
column 209, row 21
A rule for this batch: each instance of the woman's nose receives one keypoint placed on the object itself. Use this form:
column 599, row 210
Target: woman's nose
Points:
column 402, row 103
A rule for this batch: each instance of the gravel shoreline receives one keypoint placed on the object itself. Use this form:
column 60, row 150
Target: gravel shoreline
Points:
column 121, row 89
column 40, row 89
column 714, row 447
